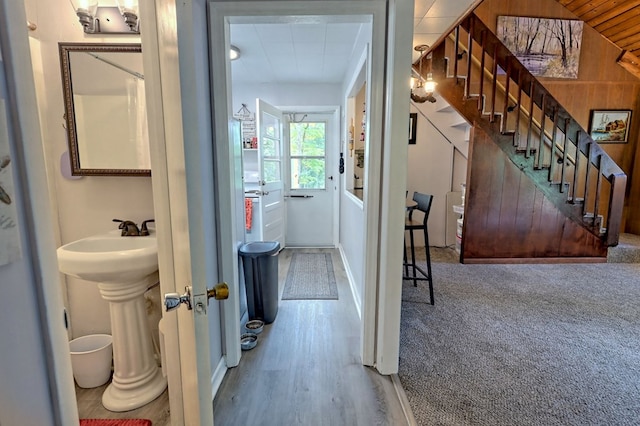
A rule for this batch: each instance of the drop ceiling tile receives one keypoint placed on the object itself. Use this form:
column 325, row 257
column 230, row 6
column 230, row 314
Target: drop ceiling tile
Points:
column 339, row 32
column 421, row 7
column 434, row 25
column 274, row 33
column 450, row 8
column 278, row 48
column 339, row 48
column 309, row 49
column 306, row 33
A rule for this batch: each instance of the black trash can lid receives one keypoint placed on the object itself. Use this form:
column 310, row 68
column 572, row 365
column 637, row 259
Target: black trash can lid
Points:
column 259, row 248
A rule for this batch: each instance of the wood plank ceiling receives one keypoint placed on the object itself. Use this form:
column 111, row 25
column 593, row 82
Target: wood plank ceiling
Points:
column 618, row 21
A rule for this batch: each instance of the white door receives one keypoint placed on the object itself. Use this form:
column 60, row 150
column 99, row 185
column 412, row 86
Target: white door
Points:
column 202, row 342
column 270, row 159
column 311, row 180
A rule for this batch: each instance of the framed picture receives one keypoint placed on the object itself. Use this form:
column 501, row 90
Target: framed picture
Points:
column 610, row 126
column 413, row 125
column 546, row 47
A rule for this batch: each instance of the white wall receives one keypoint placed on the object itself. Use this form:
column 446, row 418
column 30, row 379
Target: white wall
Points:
column 352, row 241
column 286, row 95
column 352, row 229
column 87, row 205
column 434, row 167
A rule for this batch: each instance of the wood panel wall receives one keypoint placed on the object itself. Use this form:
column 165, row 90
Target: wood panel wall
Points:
column 508, row 220
column 601, row 84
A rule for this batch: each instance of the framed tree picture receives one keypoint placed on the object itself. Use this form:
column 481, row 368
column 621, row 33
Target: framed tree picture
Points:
column 611, row 126
column 546, row 47
column 413, row 126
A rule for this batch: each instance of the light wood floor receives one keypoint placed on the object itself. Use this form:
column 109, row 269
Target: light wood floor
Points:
column 90, row 407
column 306, row 370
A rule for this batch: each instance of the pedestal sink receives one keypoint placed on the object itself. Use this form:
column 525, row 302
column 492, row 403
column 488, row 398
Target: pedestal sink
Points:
column 123, row 268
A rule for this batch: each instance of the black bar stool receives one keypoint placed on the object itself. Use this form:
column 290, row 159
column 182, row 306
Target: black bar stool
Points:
column 411, row 270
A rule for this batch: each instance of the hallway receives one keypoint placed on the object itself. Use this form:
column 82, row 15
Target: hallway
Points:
column 306, row 369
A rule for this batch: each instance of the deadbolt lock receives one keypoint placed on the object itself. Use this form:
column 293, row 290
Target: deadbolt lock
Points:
column 219, row 292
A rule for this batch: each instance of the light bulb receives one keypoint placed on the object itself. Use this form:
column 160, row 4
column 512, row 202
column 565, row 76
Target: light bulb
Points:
column 128, row 6
column 234, row 53
column 430, row 85
column 88, row 6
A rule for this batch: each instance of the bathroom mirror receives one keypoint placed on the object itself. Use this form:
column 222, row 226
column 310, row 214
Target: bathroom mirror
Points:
column 105, row 113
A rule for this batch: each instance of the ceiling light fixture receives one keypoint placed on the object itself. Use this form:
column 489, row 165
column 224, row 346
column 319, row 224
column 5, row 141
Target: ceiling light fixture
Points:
column 421, row 89
column 234, row 53
column 96, row 19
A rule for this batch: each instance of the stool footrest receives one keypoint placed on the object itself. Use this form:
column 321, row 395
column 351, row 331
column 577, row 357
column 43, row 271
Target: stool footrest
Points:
column 419, row 269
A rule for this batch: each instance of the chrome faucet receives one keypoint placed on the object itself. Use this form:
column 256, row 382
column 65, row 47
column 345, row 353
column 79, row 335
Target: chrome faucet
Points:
column 129, row 228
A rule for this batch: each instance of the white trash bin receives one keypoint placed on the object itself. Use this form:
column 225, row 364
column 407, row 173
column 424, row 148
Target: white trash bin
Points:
column 91, row 358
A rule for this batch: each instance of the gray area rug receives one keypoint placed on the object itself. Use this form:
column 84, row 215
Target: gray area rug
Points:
column 310, row 276
column 523, row 344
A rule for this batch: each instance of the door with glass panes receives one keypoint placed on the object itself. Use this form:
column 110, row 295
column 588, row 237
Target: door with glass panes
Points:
column 311, row 179
column 269, row 134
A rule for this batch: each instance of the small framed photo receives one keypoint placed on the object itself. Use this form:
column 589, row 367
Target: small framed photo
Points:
column 610, row 126
column 413, row 126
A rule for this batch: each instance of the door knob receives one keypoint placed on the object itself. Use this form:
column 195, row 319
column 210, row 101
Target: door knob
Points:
column 174, row 300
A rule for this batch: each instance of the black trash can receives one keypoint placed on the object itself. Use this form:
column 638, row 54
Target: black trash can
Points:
column 260, row 265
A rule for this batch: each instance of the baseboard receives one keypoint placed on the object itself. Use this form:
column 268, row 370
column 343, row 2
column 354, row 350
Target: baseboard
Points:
column 347, row 269
column 532, row 260
column 404, row 401
column 217, row 376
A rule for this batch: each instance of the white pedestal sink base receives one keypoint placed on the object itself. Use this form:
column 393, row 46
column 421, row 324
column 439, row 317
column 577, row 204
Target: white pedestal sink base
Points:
column 137, row 379
column 117, row 398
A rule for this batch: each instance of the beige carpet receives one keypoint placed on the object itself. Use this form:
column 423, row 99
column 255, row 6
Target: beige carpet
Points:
column 523, row 344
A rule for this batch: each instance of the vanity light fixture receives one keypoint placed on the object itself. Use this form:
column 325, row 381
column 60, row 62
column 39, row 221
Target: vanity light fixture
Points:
column 129, row 11
column 421, row 89
column 234, row 53
column 120, row 19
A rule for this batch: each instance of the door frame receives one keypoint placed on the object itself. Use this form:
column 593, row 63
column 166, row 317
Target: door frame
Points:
column 386, row 178
column 331, row 156
column 36, row 271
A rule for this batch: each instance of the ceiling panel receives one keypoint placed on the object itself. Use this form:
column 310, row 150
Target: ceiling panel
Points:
column 320, row 51
column 617, row 20
column 317, row 52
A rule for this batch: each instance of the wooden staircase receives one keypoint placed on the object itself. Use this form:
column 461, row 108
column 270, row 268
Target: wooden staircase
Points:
column 490, row 88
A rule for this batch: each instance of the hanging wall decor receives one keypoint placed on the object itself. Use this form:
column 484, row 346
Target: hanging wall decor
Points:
column 248, row 127
column 413, row 126
column 610, row 126
column 546, row 47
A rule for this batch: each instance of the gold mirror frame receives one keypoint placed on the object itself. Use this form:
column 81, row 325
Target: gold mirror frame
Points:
column 65, row 49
